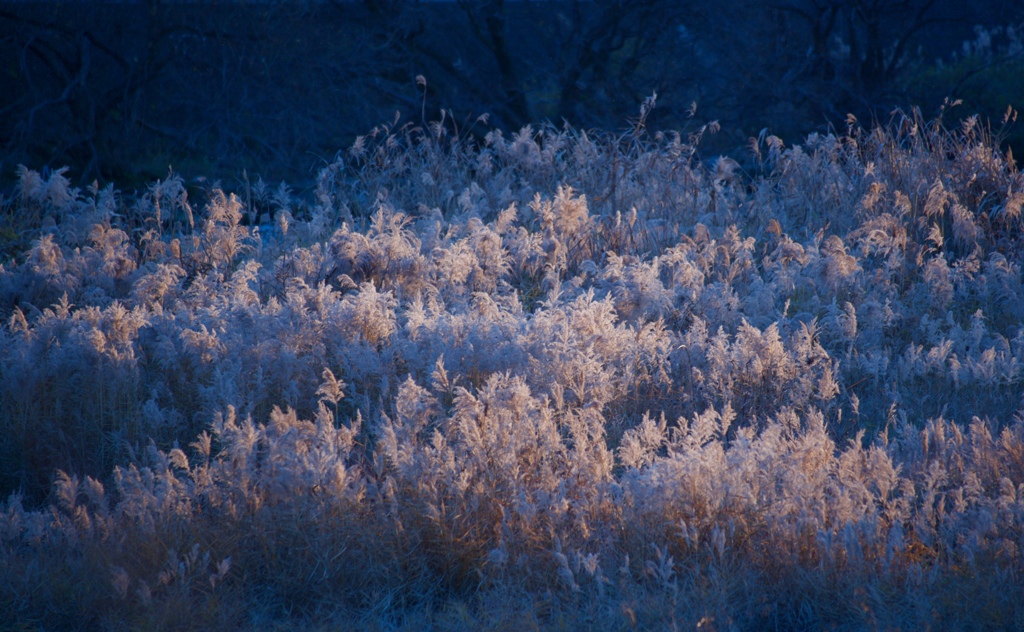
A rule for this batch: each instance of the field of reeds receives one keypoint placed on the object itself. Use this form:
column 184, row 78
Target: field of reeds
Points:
column 552, row 379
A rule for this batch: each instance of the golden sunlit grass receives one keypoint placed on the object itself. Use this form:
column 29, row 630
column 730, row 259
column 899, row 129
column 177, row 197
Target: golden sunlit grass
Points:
column 560, row 380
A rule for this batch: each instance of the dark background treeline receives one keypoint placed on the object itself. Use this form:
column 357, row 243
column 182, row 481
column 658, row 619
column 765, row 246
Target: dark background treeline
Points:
column 120, row 91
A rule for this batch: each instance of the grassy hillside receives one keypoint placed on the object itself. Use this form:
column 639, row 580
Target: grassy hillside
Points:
column 556, row 380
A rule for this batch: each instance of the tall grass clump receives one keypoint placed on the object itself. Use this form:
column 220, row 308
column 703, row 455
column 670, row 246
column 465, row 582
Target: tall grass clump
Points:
column 550, row 379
